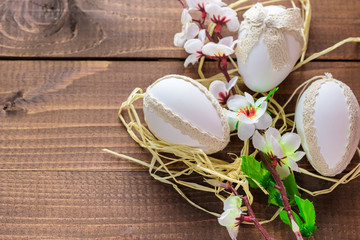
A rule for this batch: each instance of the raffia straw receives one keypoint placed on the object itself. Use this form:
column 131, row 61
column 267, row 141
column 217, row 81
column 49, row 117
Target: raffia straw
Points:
column 162, row 166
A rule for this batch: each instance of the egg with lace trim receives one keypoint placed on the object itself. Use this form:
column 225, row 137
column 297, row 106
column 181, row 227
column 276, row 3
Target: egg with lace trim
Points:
column 269, row 44
column 179, row 110
column 327, row 119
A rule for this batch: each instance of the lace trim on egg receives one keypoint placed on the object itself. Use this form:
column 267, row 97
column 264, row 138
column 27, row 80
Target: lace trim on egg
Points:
column 272, row 27
column 310, row 130
column 204, row 138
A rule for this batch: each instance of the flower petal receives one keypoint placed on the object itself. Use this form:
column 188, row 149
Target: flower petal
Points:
column 227, row 41
column 276, row 147
column 232, row 202
column 245, row 131
column 216, row 87
column 214, row 49
column 202, row 36
column 231, row 118
column 262, row 109
column 228, row 12
column 293, row 165
column 226, row 50
column 290, row 142
column 179, row 39
column 233, row 232
column 228, row 218
column 272, row 132
column 244, row 119
column 259, row 101
column 230, row 114
column 233, row 25
column 264, row 122
column 193, row 45
column 185, row 17
column 212, row 9
column 210, row 48
column 283, row 171
column 297, row 156
column 232, row 83
column 259, row 142
column 249, row 98
column 192, row 58
column 191, row 31
column 236, row 102
column 232, row 123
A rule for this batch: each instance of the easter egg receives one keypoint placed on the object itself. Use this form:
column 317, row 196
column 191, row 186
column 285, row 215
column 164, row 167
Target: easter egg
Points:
column 180, row 110
column 269, row 44
column 327, row 119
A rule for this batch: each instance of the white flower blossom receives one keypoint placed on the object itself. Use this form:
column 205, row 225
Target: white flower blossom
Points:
column 223, row 15
column 229, row 217
column 189, row 29
column 223, row 48
column 247, row 115
column 221, row 90
column 200, row 4
column 280, row 148
column 194, row 47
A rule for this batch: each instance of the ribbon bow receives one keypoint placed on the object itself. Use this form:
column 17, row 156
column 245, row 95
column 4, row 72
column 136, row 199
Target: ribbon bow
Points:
column 272, row 26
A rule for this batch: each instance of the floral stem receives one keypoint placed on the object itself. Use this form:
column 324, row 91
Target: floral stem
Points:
column 219, row 35
column 202, row 26
column 182, row 3
column 223, row 69
column 284, row 197
column 251, row 213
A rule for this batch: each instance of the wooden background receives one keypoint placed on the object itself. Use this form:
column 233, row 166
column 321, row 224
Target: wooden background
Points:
column 65, row 68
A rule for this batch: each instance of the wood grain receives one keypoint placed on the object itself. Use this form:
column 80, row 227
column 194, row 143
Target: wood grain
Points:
column 132, row 205
column 138, row 28
column 56, row 116
column 67, row 111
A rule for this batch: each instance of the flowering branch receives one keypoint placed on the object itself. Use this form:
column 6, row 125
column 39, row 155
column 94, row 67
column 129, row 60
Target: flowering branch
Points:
column 202, row 26
column 218, row 47
column 224, row 71
column 252, row 217
column 285, row 200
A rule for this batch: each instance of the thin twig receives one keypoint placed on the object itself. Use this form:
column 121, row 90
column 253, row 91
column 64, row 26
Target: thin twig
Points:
column 182, row 3
column 251, row 213
column 284, row 197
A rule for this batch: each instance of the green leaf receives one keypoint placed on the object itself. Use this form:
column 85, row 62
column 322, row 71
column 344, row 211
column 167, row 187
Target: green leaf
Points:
column 256, row 171
column 307, row 212
column 291, row 188
column 252, row 183
column 285, row 218
column 274, row 196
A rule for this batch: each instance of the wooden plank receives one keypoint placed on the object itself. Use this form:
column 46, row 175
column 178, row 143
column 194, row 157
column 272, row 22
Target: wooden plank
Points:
column 132, row 205
column 59, row 114
column 138, row 28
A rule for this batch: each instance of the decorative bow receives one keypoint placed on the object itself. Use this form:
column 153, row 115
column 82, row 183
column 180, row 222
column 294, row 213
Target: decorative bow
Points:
column 272, row 26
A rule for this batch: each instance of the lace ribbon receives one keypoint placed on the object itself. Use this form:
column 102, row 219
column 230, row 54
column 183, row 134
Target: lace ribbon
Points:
column 309, row 128
column 273, row 27
column 213, row 143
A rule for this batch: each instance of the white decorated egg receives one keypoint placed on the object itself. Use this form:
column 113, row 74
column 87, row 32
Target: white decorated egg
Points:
column 180, row 110
column 269, row 44
column 327, row 119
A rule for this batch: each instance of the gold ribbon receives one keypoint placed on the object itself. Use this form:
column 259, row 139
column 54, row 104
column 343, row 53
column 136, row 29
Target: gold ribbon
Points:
column 273, row 27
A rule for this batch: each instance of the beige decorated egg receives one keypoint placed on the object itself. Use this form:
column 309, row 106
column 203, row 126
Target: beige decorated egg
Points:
column 269, row 44
column 179, row 110
column 328, row 121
